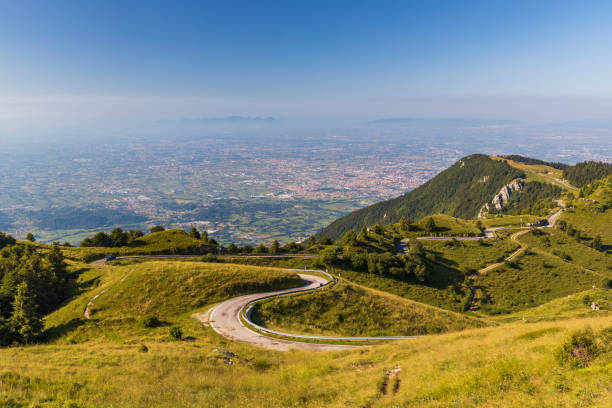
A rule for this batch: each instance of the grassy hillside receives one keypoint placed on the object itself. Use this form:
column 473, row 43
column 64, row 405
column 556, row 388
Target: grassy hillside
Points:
column 537, row 171
column 347, row 309
column 469, row 256
column 531, row 280
column 114, row 360
column 536, row 162
column 503, row 220
column 512, row 365
column 446, row 225
column 572, row 306
column 568, row 249
column 460, row 191
column 175, row 241
column 170, row 291
column 592, row 213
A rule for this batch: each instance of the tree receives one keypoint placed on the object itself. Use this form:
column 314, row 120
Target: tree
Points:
column 101, row 239
column 310, row 242
column 377, row 229
column 597, row 243
column 293, row 247
column 6, row 240
column 157, row 228
column 328, row 256
column 25, row 321
column 204, row 236
column 325, row 241
column 55, row 259
column 260, row 249
column 430, row 225
column 350, row 238
column 404, row 224
column 30, row 237
column 363, row 234
column 133, row 235
column 274, row 247
column 194, row 233
column 232, row 248
column 118, row 238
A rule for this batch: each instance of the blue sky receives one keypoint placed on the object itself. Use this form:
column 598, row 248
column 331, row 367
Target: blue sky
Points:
column 70, row 61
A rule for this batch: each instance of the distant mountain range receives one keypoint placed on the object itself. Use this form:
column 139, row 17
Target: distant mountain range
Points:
column 231, row 119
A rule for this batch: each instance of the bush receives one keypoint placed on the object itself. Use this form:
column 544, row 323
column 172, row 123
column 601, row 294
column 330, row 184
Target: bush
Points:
column 150, row 321
column 511, row 264
column 209, row 258
column 176, row 333
column 261, row 365
column 578, row 350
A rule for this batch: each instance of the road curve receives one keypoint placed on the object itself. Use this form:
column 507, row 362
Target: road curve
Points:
column 225, row 320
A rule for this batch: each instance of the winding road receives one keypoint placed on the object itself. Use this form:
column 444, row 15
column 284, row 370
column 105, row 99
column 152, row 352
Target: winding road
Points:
column 225, row 319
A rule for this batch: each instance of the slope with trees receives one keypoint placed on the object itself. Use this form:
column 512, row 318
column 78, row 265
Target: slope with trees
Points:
column 584, row 173
column 460, row 191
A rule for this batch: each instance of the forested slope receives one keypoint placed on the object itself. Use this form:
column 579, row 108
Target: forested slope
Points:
column 584, row 173
column 460, row 191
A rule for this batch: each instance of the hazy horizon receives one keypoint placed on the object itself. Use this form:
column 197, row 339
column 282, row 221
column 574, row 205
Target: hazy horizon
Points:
column 124, row 67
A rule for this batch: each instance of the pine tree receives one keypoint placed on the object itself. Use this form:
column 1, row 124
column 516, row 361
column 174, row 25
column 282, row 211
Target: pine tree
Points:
column 430, row 225
column 25, row 321
column 204, row 236
column 274, row 247
column 55, row 259
column 194, row 233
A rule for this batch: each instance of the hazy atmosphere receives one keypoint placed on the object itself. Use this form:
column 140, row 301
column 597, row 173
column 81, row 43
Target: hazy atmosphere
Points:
column 274, row 204
column 87, row 66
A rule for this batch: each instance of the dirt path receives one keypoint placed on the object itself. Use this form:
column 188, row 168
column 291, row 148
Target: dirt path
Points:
column 87, row 311
column 513, row 237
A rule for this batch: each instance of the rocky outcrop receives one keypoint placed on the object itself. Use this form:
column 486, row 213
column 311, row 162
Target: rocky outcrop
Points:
column 504, row 194
column 502, row 197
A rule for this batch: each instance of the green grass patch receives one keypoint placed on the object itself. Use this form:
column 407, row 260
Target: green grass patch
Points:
column 349, row 310
column 534, row 279
column 470, row 256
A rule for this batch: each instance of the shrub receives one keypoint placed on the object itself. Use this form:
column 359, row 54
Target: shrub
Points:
column 511, row 264
column 176, row 333
column 143, row 349
column 578, row 350
column 261, row 365
column 150, row 321
column 209, row 258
